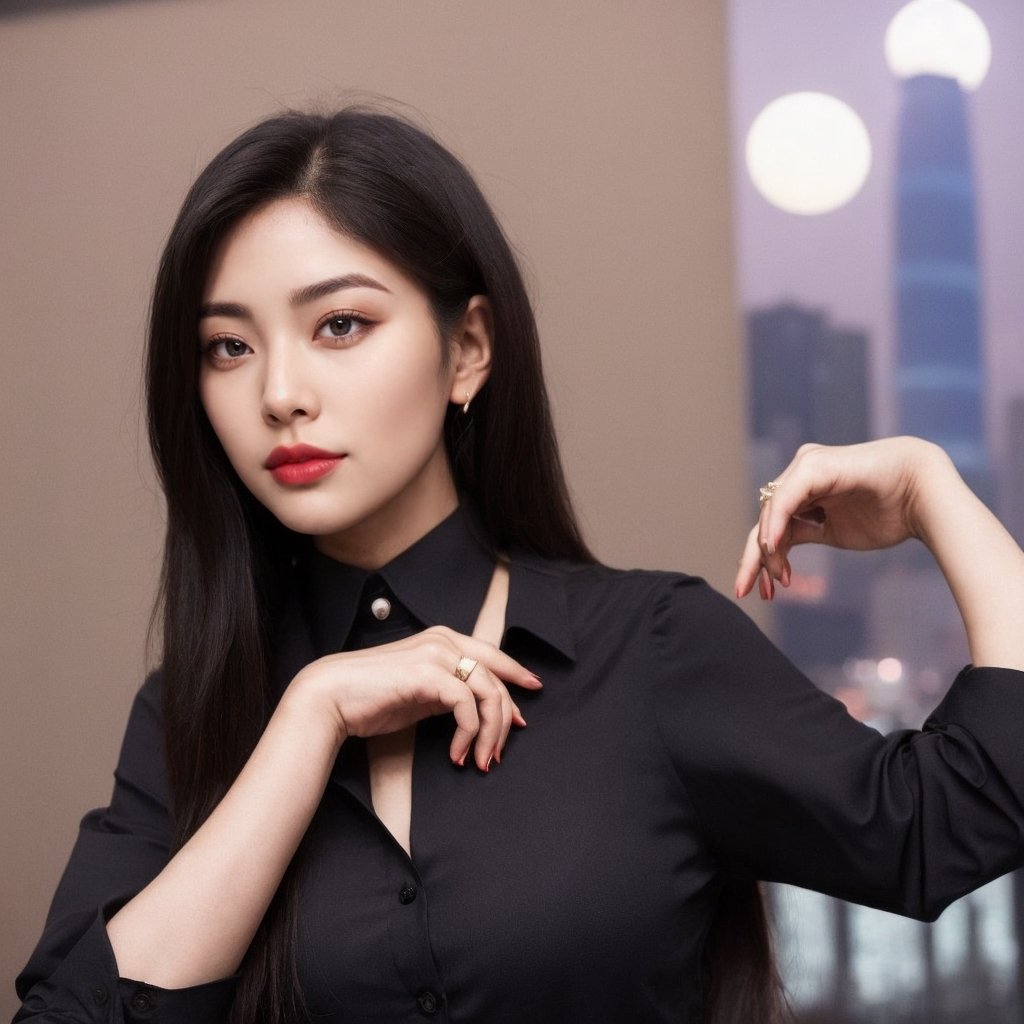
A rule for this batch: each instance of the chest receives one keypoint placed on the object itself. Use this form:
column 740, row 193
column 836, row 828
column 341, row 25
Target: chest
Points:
column 389, row 767
column 569, row 870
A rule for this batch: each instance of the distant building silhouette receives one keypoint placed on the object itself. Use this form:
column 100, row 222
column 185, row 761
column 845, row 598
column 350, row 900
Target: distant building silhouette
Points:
column 808, row 379
column 940, row 379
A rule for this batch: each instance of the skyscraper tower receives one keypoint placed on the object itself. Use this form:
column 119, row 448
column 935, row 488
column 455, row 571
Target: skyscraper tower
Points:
column 940, row 378
column 939, row 349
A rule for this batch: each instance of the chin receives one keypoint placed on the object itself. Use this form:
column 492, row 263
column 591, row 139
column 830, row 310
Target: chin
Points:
column 316, row 525
column 308, row 513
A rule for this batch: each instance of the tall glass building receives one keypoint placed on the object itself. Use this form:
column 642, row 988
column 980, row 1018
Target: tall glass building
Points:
column 940, row 383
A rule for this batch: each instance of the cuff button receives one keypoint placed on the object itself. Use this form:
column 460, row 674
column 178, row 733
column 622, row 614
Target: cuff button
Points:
column 142, row 1003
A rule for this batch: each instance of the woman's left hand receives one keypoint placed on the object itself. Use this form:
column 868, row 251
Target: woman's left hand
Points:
column 862, row 496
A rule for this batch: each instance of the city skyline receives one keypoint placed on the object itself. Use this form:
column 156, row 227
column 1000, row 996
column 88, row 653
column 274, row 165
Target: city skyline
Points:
column 843, row 262
column 897, row 269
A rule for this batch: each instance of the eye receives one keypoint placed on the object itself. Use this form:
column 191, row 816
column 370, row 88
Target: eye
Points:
column 342, row 325
column 225, row 349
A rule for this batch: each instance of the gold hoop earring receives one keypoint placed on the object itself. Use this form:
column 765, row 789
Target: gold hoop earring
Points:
column 469, row 398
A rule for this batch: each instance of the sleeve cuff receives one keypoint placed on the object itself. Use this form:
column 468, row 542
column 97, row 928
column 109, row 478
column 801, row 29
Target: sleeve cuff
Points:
column 86, row 987
column 988, row 704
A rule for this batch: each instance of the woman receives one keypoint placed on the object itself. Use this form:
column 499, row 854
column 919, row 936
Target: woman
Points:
column 364, row 499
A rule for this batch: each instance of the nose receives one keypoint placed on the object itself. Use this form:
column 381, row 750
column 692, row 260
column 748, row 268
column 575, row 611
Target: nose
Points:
column 288, row 389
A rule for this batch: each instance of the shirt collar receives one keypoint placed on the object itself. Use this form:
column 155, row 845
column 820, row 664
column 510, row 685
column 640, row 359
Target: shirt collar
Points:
column 537, row 602
column 442, row 580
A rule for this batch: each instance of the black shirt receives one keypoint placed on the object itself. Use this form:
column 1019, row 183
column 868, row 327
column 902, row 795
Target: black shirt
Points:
column 671, row 744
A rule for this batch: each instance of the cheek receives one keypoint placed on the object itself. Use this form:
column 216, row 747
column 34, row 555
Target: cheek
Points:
column 222, row 410
column 419, row 409
column 407, row 401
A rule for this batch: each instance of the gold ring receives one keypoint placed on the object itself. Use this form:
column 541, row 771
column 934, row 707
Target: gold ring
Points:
column 464, row 669
column 767, row 491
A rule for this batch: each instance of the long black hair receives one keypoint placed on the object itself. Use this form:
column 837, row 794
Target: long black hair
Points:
column 390, row 186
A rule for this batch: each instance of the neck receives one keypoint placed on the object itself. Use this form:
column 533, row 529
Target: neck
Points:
column 391, row 530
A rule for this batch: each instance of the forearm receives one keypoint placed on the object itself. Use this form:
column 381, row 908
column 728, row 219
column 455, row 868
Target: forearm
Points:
column 194, row 922
column 981, row 562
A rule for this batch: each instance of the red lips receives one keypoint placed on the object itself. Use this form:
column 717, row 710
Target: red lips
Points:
column 296, row 453
column 300, row 464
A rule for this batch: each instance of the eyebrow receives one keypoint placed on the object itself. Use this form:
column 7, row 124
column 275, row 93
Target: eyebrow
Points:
column 299, row 297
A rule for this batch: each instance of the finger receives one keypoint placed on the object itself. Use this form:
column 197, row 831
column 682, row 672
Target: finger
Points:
column 804, row 531
column 808, row 478
column 775, row 563
column 493, row 707
column 496, row 660
column 749, row 563
column 506, row 726
column 458, row 698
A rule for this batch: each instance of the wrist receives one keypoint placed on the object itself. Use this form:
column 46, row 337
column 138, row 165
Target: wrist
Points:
column 937, row 487
column 306, row 699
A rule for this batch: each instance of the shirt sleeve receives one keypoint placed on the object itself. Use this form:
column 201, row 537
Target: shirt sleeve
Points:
column 790, row 788
column 72, row 975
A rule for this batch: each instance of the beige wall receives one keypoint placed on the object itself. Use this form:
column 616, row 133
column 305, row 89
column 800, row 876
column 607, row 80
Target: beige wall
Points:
column 598, row 129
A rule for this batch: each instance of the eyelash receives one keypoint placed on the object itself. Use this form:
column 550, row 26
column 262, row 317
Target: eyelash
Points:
column 342, row 340
column 210, row 346
column 345, row 314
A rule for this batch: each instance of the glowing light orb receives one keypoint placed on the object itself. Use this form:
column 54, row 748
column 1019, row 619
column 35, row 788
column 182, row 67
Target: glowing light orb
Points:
column 939, row 37
column 808, row 153
column 890, row 670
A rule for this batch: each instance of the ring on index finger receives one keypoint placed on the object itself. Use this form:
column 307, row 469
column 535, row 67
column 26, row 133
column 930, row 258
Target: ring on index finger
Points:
column 464, row 669
column 765, row 493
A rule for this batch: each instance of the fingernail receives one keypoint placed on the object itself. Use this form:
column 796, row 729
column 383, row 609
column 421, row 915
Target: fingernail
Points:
column 497, row 757
column 536, row 678
column 487, row 767
column 520, row 721
column 460, row 761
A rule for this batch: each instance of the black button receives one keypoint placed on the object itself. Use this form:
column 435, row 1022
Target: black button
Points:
column 428, row 1003
column 100, row 996
column 142, row 1002
column 406, row 894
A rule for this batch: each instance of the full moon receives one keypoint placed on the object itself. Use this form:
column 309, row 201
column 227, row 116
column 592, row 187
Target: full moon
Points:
column 808, row 152
column 939, row 37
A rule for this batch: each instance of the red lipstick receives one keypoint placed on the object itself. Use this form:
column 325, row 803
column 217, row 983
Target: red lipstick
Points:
column 300, row 464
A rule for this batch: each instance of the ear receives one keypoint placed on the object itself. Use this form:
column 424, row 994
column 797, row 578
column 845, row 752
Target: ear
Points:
column 471, row 351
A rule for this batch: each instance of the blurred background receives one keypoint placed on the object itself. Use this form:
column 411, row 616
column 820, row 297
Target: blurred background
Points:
column 696, row 325
column 878, row 216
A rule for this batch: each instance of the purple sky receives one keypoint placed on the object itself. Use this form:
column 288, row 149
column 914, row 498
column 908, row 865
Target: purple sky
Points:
column 842, row 261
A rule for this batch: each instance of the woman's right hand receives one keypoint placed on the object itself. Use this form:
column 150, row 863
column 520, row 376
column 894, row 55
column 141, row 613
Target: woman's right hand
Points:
column 380, row 690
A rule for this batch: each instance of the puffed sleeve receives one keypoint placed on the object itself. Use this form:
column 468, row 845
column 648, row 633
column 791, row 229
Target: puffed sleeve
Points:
column 72, row 975
column 790, row 788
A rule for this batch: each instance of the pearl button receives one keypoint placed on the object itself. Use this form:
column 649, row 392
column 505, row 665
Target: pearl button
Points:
column 381, row 608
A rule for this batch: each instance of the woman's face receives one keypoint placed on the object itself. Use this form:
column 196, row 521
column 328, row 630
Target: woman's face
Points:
column 321, row 374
